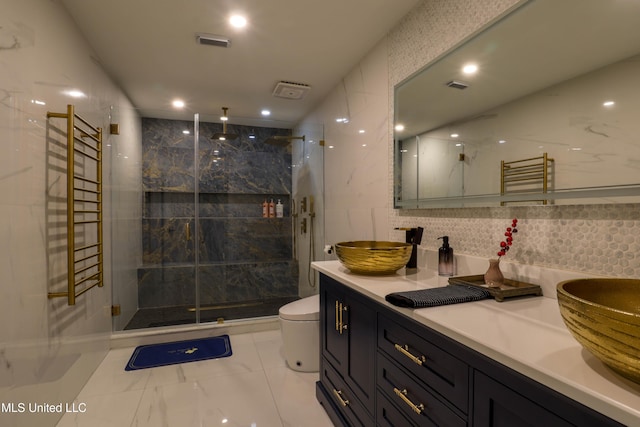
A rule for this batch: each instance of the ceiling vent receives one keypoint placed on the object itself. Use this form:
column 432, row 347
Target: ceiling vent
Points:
column 291, row 90
column 213, row 40
column 457, row 85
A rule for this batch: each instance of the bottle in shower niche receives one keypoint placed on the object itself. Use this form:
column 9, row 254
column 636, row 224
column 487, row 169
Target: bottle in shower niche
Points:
column 265, row 209
column 272, row 209
column 279, row 210
column 445, row 258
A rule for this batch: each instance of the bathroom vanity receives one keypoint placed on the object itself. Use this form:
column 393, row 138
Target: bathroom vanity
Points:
column 484, row 363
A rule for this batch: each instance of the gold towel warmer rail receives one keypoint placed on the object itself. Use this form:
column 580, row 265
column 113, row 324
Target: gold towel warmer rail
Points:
column 530, row 175
column 84, row 207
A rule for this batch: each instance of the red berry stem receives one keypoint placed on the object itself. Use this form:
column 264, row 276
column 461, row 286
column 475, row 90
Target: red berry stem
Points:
column 506, row 244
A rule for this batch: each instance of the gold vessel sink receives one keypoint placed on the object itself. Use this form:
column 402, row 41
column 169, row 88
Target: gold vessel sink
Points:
column 604, row 316
column 373, row 257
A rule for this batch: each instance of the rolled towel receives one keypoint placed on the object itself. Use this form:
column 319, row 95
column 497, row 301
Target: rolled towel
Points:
column 452, row 294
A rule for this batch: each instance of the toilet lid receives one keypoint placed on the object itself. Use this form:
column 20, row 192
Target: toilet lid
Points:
column 303, row 309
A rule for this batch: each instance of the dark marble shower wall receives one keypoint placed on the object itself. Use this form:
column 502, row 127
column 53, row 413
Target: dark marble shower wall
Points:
column 242, row 256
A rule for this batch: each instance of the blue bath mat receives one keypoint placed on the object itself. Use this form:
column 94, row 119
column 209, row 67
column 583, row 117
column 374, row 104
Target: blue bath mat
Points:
column 171, row 353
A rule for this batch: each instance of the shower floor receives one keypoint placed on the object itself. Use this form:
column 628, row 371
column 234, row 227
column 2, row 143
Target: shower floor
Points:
column 181, row 315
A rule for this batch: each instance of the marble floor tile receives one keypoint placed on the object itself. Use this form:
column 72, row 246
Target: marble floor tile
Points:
column 253, row 387
column 230, row 400
column 106, row 410
column 291, row 391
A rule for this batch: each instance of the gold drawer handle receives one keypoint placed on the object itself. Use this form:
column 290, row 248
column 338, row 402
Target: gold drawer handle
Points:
column 402, row 394
column 340, row 309
column 338, row 394
column 405, row 350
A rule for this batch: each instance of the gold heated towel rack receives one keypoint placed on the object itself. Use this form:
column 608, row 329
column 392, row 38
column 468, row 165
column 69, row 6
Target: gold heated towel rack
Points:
column 525, row 176
column 84, row 206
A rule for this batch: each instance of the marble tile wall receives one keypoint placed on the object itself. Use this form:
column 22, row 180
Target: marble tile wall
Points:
column 48, row 349
column 355, row 153
column 242, row 256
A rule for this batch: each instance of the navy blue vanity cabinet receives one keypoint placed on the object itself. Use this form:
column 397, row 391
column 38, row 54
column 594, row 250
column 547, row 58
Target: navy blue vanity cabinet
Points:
column 348, row 347
column 379, row 367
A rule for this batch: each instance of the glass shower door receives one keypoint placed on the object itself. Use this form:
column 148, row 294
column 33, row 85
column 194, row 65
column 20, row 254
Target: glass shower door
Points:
column 161, row 289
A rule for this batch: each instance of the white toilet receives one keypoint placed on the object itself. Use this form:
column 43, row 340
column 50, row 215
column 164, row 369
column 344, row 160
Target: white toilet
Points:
column 300, row 325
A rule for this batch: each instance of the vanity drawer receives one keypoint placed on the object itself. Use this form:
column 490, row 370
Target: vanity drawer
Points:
column 343, row 397
column 442, row 372
column 412, row 400
column 387, row 415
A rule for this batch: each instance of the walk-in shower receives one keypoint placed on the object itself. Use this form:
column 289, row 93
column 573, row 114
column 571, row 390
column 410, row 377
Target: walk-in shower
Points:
column 208, row 255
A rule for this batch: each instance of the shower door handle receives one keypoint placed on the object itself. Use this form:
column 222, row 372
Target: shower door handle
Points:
column 187, row 231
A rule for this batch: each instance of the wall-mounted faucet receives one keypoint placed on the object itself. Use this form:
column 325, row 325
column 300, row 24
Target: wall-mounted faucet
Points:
column 413, row 236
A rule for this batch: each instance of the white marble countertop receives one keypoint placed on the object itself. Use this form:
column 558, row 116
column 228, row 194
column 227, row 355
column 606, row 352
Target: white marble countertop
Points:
column 525, row 334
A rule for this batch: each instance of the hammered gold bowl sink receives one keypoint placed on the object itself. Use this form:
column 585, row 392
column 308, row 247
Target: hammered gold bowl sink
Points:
column 373, row 257
column 604, row 316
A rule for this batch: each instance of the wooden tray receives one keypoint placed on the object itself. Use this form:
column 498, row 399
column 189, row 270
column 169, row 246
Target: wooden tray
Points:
column 511, row 288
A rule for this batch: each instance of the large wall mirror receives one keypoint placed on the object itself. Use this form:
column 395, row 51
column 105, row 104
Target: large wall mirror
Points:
column 550, row 115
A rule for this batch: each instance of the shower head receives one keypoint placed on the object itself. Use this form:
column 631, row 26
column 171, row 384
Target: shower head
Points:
column 282, row 140
column 224, row 135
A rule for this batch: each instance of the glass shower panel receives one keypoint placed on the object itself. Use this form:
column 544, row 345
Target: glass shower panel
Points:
column 246, row 267
column 166, row 276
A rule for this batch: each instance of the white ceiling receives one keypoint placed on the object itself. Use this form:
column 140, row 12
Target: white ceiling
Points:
column 149, row 48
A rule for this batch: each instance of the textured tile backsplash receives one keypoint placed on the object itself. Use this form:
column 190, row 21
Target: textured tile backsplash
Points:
column 597, row 239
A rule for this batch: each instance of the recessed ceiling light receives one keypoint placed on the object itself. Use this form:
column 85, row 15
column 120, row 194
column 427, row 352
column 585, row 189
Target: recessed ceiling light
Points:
column 238, row 21
column 265, row 112
column 399, row 127
column 186, row 132
column 502, row 141
column 178, row 103
column 454, row 135
column 608, row 103
column 361, row 131
column 470, row 69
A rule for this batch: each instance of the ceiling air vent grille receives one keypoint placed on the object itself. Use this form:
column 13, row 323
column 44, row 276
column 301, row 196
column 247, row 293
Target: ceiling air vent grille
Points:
column 291, row 90
column 213, row 40
column 457, row 85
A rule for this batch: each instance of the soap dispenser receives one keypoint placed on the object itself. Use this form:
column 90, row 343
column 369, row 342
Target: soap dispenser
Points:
column 445, row 258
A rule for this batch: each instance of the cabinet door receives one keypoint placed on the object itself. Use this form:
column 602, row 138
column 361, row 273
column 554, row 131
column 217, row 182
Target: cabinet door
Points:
column 498, row 406
column 361, row 353
column 348, row 337
column 333, row 319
